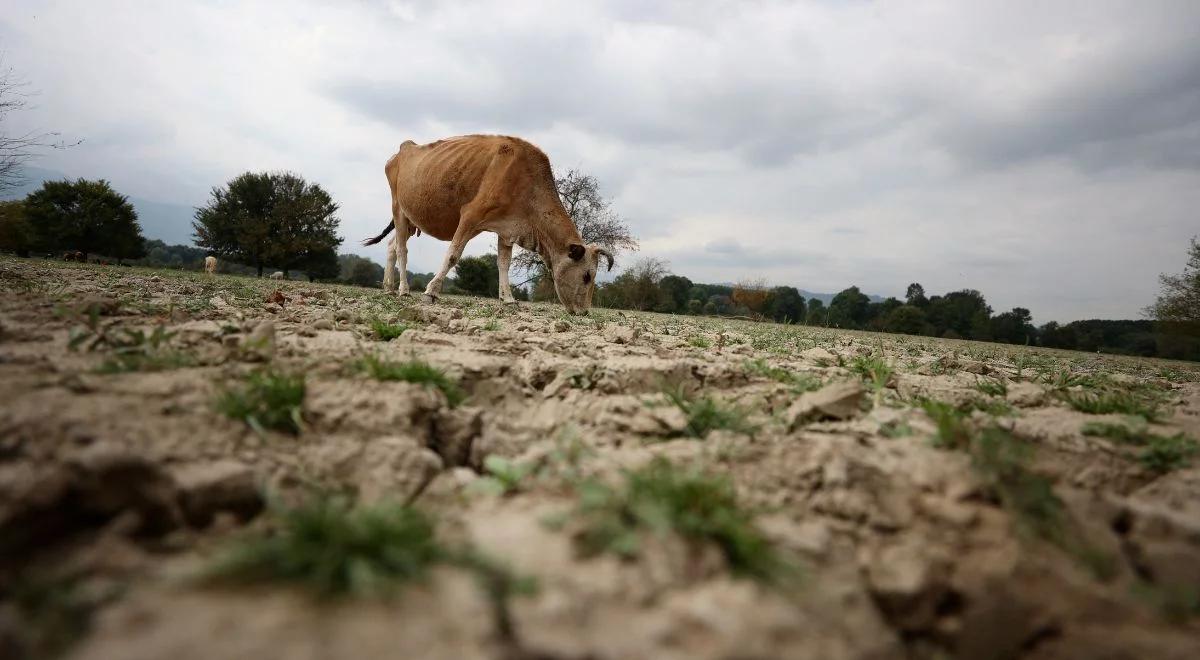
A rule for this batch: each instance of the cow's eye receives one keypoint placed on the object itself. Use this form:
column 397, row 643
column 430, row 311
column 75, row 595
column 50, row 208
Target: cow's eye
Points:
column 587, row 278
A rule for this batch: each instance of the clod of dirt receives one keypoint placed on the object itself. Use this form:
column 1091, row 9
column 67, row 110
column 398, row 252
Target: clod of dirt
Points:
column 395, row 468
column 276, row 297
column 620, row 334
column 818, row 355
column 907, row 580
column 561, row 326
column 103, row 305
column 1025, row 395
column 322, row 324
column 455, row 431
column 206, row 489
column 835, row 401
column 260, row 343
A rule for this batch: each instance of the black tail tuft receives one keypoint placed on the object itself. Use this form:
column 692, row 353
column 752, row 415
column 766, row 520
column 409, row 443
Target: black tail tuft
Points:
column 386, row 230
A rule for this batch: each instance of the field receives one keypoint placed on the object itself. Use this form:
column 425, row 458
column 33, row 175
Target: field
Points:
column 215, row 467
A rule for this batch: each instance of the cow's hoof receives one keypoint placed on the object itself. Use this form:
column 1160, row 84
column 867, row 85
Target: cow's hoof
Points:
column 511, row 303
column 426, row 298
column 404, row 294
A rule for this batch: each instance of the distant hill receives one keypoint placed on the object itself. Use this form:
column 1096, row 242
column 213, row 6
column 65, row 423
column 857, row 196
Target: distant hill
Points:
column 170, row 223
column 823, row 297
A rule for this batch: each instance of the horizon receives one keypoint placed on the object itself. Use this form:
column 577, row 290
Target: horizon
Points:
column 833, row 145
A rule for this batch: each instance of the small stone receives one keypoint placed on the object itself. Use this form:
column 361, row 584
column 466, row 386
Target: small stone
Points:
column 974, row 367
column 260, row 343
column 561, row 326
column 818, row 355
column 619, row 334
column 835, row 401
column 456, row 313
column 224, row 485
column 322, row 324
column 1025, row 395
column 103, row 305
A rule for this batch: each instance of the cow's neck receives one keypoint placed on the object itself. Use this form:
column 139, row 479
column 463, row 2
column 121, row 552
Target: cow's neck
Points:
column 552, row 240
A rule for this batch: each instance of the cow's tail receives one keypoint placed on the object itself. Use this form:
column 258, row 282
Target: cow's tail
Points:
column 383, row 234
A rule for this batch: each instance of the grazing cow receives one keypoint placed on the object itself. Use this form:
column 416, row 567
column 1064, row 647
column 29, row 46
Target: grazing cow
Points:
column 75, row 255
column 277, row 275
column 457, row 188
column 210, row 265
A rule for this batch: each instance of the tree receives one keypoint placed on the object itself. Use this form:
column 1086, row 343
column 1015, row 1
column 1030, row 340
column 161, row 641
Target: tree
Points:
column 752, row 295
column 675, row 289
column 88, row 216
column 16, row 234
column 915, row 295
column 1178, row 301
column 593, row 217
column 322, row 265
column 269, row 218
column 636, row 288
column 16, row 150
column 478, row 276
column 848, row 309
column 907, row 319
column 785, row 305
column 817, row 314
column 1015, row 327
column 360, row 271
column 965, row 312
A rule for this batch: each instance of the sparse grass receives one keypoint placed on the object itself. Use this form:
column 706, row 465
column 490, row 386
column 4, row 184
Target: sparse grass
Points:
column 661, row 499
column 991, row 387
column 706, row 414
column 266, row 400
column 952, row 430
column 503, row 476
column 875, row 371
column 1065, row 379
column 799, row 382
column 385, row 331
column 334, row 550
column 491, row 326
column 1108, row 402
column 699, row 341
column 412, row 371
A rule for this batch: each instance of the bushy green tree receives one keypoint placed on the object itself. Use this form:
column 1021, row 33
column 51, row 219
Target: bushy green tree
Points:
column 1179, row 299
column 915, row 295
column 635, row 288
column 83, row 215
column 675, row 289
column 1015, row 327
column 908, row 320
column 817, row 313
column 785, row 305
column 359, row 270
column 16, row 234
column 269, row 218
column 848, row 309
column 965, row 312
column 478, row 276
column 322, row 265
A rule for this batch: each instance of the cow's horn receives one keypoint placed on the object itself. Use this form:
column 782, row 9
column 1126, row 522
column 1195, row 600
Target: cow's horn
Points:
column 607, row 255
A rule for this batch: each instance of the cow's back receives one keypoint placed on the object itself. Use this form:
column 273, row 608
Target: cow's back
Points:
column 432, row 182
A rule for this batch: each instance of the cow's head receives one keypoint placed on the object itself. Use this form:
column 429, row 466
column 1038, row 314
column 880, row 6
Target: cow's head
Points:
column 575, row 275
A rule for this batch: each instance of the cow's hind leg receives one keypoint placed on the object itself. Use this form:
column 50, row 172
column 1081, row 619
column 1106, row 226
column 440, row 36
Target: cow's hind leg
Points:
column 389, row 271
column 503, row 260
column 398, row 254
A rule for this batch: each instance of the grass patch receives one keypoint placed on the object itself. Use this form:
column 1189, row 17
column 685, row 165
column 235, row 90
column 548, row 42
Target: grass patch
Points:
column 332, row 549
column 412, row 371
column 266, row 400
column 699, row 342
column 1109, row 402
column 491, row 326
column 385, row 331
column 706, row 414
column 1159, row 453
column 503, row 476
column 992, row 387
column 876, row 372
column 799, row 382
column 662, row 499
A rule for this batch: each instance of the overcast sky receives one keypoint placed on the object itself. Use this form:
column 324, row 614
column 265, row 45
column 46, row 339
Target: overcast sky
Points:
column 1045, row 153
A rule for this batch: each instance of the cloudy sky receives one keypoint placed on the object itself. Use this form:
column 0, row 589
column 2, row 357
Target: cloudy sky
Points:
column 1045, row 153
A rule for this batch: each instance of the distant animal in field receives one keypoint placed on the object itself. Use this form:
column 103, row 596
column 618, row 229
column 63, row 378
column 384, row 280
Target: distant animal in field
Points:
column 75, row 255
column 277, row 275
column 457, row 188
column 210, row 265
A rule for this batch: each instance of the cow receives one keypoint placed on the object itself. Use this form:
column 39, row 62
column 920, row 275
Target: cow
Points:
column 210, row 265
column 277, row 275
column 75, row 256
column 457, row 188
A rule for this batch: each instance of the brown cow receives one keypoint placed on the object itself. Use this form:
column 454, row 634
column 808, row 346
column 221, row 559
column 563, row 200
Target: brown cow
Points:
column 457, row 188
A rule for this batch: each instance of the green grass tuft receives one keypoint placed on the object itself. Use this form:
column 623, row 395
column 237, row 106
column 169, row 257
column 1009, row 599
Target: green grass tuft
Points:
column 662, row 498
column 1108, row 402
column 706, row 414
column 1166, row 453
column 699, row 342
column 266, row 400
column 992, row 387
column 332, row 549
column 875, row 371
column 799, row 382
column 412, row 371
column 387, row 331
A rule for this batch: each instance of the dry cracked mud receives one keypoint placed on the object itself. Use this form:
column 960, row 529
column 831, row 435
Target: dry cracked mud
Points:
column 852, row 495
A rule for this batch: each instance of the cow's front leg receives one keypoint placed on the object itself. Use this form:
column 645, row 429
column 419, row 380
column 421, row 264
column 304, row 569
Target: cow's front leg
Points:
column 503, row 260
column 453, row 254
column 389, row 271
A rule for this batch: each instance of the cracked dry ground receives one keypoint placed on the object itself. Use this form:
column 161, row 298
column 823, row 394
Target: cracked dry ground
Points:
column 930, row 498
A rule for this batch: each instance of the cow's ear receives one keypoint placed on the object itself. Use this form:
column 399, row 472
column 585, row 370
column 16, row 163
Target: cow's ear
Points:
column 575, row 251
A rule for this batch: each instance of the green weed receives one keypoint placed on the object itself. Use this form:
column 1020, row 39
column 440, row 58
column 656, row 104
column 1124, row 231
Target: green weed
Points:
column 412, row 371
column 706, row 414
column 799, row 382
column 387, row 331
column 875, row 371
column 662, row 498
column 699, row 341
column 992, row 387
column 266, row 400
column 503, row 476
column 1108, row 402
